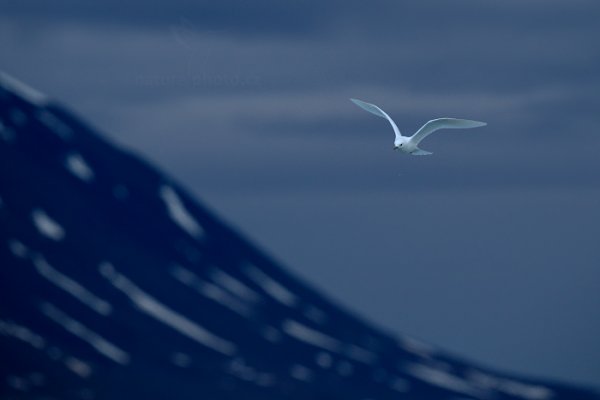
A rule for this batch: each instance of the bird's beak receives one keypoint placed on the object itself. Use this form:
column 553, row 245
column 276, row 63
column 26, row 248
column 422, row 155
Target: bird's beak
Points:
column 395, row 147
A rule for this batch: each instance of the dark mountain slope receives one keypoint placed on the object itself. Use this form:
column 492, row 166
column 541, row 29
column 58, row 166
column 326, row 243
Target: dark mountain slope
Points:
column 114, row 283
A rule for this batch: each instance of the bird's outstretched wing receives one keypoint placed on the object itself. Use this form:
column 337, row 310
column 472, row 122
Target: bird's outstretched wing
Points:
column 373, row 109
column 443, row 123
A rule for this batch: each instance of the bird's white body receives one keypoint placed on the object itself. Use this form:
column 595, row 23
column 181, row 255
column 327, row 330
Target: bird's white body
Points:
column 409, row 144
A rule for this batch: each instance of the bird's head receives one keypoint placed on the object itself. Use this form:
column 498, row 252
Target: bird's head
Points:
column 398, row 146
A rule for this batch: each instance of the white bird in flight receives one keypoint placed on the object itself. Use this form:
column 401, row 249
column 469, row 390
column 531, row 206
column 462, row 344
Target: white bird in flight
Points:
column 409, row 144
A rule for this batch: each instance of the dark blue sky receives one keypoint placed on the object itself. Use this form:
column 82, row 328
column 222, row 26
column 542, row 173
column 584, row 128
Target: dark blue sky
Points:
column 489, row 248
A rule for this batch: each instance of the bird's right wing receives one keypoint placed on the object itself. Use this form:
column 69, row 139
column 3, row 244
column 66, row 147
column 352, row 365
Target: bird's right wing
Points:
column 373, row 109
column 443, row 123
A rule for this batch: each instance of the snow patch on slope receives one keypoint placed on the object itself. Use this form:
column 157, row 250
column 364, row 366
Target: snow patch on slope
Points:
column 54, row 124
column 152, row 307
column 273, row 288
column 70, row 286
column 100, row 344
column 47, row 226
column 313, row 337
column 179, row 214
column 444, row 380
column 209, row 290
column 22, row 90
column 22, row 333
column 77, row 165
column 233, row 285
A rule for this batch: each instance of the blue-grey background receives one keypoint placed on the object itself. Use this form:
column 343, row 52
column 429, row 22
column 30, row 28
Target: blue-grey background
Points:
column 489, row 249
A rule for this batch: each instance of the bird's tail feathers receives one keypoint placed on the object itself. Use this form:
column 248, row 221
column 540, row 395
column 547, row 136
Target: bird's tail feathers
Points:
column 420, row 152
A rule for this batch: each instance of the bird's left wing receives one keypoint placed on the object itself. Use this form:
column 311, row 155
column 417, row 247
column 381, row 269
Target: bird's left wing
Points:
column 443, row 123
column 373, row 109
